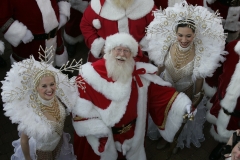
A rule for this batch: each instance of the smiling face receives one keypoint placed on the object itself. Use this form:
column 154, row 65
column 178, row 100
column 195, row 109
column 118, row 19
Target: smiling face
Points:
column 46, row 87
column 121, row 54
column 185, row 36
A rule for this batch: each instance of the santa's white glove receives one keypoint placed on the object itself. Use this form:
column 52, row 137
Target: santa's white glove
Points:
column 62, row 20
column 28, row 37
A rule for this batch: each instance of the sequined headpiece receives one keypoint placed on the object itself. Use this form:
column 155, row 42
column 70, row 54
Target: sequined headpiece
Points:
column 28, row 73
column 189, row 22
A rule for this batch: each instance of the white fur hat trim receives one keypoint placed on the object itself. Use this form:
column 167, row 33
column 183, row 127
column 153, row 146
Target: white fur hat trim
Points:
column 121, row 39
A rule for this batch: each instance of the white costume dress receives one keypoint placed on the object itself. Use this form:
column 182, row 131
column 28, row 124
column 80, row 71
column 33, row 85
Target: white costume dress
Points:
column 209, row 45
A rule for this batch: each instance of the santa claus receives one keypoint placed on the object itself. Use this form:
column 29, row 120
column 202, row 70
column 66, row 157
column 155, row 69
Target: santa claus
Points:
column 72, row 33
column 28, row 24
column 103, row 18
column 225, row 112
column 230, row 11
column 110, row 115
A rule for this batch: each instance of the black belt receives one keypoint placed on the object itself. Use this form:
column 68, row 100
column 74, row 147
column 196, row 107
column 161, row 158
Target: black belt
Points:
column 124, row 128
column 235, row 113
column 230, row 3
column 44, row 36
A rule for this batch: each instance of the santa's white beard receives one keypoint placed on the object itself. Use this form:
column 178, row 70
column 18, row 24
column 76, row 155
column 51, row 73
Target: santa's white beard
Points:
column 123, row 3
column 120, row 72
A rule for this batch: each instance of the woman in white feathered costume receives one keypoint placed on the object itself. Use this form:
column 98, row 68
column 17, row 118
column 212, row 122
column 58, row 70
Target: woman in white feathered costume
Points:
column 187, row 44
column 35, row 95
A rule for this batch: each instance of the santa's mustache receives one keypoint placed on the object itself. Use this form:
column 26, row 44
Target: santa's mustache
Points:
column 121, row 58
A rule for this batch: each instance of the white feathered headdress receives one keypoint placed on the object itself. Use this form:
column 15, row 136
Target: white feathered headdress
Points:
column 19, row 86
column 209, row 40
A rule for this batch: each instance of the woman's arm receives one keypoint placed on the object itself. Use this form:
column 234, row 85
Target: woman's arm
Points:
column 25, row 146
column 198, row 94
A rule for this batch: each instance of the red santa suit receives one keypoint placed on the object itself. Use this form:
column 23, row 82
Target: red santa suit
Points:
column 170, row 3
column 117, row 112
column 230, row 11
column 225, row 111
column 72, row 32
column 40, row 20
column 103, row 18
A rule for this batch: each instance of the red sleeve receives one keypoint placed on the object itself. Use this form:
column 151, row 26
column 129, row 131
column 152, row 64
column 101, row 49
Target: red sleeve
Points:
column 160, row 102
column 6, row 12
column 86, row 26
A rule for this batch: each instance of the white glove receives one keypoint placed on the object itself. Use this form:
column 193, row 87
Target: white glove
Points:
column 28, row 37
column 188, row 110
column 62, row 20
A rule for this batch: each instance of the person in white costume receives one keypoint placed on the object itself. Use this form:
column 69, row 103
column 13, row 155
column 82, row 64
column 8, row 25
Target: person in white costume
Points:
column 35, row 95
column 187, row 48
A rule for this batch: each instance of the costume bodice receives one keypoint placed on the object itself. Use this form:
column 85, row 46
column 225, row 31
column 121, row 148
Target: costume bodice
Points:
column 51, row 141
column 181, row 79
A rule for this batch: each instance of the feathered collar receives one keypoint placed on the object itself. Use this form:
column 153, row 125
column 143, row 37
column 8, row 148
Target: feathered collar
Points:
column 108, row 10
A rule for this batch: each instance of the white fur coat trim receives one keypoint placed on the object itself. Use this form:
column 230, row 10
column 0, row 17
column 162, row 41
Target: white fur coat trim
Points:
column 209, row 104
column 237, row 48
column 2, row 47
column 85, row 109
column 217, row 137
column 15, row 33
column 92, row 126
column 50, row 20
column 208, row 90
column 174, row 118
column 231, row 22
column 62, row 58
column 210, row 118
column 79, row 5
column 222, row 123
column 113, row 91
column 233, row 91
column 137, row 10
column 72, row 40
column 149, row 75
column 97, row 46
column 64, row 8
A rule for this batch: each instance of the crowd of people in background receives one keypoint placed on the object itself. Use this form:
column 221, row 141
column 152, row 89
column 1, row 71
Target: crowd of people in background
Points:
column 155, row 68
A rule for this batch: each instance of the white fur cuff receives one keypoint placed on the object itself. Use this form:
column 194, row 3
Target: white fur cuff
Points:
column 72, row 40
column 64, row 8
column 61, row 59
column 174, row 118
column 97, row 46
column 15, row 33
column 237, row 48
column 88, row 127
column 209, row 91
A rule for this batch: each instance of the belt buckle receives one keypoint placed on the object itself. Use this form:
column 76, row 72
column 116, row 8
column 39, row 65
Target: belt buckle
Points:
column 49, row 36
column 125, row 129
